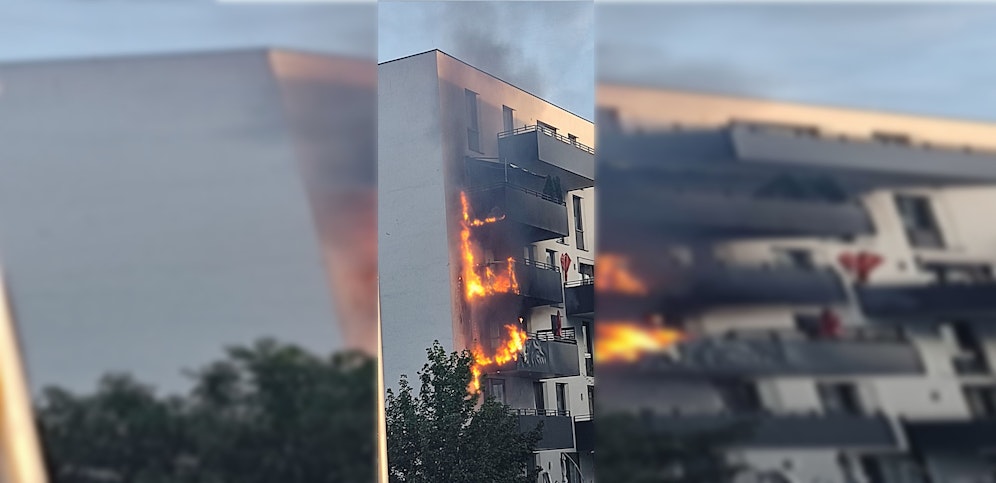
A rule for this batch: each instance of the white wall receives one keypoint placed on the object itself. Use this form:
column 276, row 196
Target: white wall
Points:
column 414, row 260
column 152, row 212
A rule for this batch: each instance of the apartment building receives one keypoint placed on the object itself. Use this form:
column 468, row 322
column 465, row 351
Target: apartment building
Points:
column 830, row 272
column 487, row 241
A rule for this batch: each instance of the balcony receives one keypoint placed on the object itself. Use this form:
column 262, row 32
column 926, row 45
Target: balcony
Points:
column 584, row 433
column 772, row 431
column 744, row 150
column 925, row 302
column 682, row 214
column 876, row 163
column 531, row 215
column 765, row 353
column 558, row 427
column 539, row 283
column 543, row 151
column 966, row 435
column 711, row 287
column 579, row 298
column 545, row 357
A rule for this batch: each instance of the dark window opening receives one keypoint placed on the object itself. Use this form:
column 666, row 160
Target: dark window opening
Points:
column 919, row 221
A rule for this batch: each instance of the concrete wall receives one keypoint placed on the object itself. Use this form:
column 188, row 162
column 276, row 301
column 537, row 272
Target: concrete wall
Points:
column 153, row 213
column 416, row 305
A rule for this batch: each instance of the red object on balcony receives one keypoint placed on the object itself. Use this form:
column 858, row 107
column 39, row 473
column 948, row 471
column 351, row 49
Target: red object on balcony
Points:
column 860, row 264
column 565, row 263
column 558, row 323
column 829, row 324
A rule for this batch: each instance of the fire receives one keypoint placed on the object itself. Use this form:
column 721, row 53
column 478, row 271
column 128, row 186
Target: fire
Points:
column 628, row 341
column 509, row 351
column 613, row 275
column 492, row 282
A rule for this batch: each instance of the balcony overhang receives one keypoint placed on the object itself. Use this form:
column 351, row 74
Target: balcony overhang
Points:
column 954, row 436
column 579, row 299
column 529, row 216
column 543, row 359
column 681, row 214
column 774, row 354
column 928, row 302
column 584, row 434
column 726, row 286
column 557, row 430
column 545, row 152
column 750, row 150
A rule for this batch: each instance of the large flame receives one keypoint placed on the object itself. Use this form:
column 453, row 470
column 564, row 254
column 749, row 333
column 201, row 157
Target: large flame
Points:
column 613, row 275
column 507, row 352
column 628, row 341
column 492, row 282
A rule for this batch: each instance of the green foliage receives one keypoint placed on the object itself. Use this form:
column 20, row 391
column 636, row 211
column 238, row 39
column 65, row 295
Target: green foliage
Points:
column 266, row 413
column 632, row 450
column 442, row 434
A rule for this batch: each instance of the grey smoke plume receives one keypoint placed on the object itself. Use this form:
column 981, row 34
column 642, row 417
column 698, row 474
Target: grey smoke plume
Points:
column 490, row 35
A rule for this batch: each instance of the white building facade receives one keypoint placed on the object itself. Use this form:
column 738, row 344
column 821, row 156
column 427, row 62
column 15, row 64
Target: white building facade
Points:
column 486, row 201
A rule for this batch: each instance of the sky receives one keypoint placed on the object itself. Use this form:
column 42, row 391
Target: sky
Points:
column 920, row 58
column 42, row 29
column 546, row 48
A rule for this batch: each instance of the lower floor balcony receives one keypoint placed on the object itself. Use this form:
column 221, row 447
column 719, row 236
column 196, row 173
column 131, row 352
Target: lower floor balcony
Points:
column 557, row 429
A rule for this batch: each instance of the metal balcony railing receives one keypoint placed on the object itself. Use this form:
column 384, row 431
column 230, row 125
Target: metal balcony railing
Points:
column 580, row 283
column 541, row 412
column 513, row 186
column 567, row 334
column 549, row 132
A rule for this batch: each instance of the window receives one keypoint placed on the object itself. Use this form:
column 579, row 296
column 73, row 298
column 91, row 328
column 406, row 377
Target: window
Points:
column 794, row 257
column 507, row 118
column 496, row 389
column 572, row 138
column 981, row 400
column 840, row 398
column 539, row 396
column 473, row 128
column 919, row 221
column 586, row 270
column 531, row 253
column 561, row 399
column 551, row 257
column 578, row 223
column 591, row 399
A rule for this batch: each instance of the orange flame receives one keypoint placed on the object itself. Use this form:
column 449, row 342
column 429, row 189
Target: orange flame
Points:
column 509, row 351
column 491, row 283
column 628, row 341
column 613, row 275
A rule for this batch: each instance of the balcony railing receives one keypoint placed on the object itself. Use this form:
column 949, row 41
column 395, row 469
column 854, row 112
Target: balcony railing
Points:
column 544, row 359
column 541, row 412
column 918, row 302
column 544, row 152
column 567, row 334
column 549, row 132
column 579, row 298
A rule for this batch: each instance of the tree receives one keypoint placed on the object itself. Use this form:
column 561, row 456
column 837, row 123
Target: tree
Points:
column 270, row 412
column 442, row 434
column 632, row 449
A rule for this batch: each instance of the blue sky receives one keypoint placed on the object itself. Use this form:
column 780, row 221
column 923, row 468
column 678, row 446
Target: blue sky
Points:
column 921, row 58
column 40, row 29
column 546, row 48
